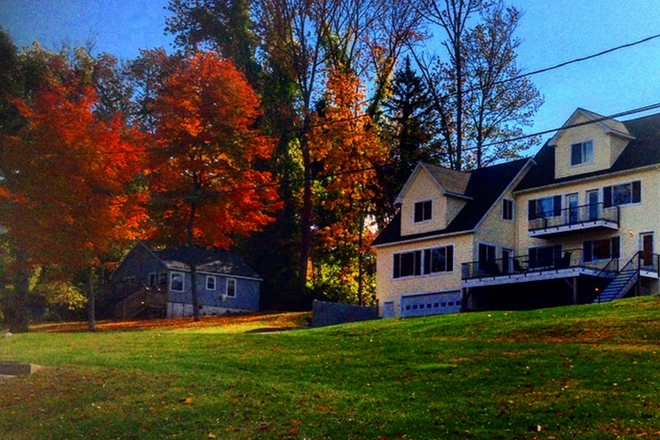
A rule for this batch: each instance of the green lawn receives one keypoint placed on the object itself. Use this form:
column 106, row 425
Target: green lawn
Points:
column 584, row 372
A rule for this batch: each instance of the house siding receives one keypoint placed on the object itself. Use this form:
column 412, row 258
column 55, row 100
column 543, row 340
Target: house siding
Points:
column 138, row 264
column 390, row 289
column 604, row 152
column 423, row 188
column 634, row 218
column 216, row 301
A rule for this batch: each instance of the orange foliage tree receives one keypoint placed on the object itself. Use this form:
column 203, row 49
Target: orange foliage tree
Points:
column 344, row 141
column 205, row 182
column 64, row 198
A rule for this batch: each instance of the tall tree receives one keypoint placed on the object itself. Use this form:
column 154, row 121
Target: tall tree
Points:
column 348, row 150
column 475, row 79
column 66, row 175
column 205, row 180
column 297, row 40
column 409, row 126
column 500, row 101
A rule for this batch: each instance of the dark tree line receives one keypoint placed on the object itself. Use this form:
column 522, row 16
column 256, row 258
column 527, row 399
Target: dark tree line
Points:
column 347, row 88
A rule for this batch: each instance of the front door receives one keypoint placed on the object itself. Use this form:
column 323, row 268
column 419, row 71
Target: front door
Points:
column 646, row 244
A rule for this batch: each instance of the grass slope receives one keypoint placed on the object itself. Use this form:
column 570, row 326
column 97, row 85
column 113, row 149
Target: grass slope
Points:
column 583, row 372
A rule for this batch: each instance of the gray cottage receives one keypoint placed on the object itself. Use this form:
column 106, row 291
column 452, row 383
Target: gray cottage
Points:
column 156, row 282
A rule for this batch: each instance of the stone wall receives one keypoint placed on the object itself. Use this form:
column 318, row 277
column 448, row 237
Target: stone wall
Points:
column 327, row 313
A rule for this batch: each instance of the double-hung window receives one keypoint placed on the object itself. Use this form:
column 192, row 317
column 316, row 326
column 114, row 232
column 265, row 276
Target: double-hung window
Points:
column 210, row 282
column 423, row 211
column 622, row 194
column 231, row 287
column 176, row 281
column 582, row 153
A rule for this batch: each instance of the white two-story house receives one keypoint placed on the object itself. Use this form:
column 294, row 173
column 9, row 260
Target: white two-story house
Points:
column 577, row 223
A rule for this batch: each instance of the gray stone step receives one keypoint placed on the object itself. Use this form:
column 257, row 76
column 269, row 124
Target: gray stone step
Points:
column 16, row 368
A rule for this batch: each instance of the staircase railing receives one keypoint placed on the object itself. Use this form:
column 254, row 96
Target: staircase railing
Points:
column 140, row 301
column 632, row 264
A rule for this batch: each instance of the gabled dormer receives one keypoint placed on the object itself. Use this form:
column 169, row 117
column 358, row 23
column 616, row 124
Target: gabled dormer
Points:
column 431, row 198
column 588, row 142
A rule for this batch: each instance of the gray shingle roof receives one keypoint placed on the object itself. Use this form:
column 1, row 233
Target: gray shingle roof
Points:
column 206, row 260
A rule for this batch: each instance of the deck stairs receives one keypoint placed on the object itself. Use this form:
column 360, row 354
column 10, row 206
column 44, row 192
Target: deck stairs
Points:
column 146, row 303
column 623, row 281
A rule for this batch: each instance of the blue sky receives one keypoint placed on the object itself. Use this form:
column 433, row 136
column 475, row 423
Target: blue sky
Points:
column 552, row 31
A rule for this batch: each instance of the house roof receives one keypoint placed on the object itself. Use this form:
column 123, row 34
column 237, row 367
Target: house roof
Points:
column 642, row 151
column 206, row 260
column 454, row 182
column 484, row 187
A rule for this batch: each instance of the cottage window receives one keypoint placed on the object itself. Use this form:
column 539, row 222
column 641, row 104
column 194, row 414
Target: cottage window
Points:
column 210, row 282
column 152, row 280
column 582, row 153
column 423, row 262
column 423, row 211
column 507, row 209
column 231, row 287
column 176, row 282
column 622, row 194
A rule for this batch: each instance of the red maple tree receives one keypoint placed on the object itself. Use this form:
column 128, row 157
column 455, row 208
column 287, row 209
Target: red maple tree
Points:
column 205, row 182
column 64, row 196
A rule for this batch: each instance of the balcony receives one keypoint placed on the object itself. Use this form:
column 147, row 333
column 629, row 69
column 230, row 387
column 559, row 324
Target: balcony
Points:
column 576, row 219
column 523, row 269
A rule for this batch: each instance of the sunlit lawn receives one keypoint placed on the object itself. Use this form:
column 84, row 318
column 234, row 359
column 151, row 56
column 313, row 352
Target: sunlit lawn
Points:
column 587, row 372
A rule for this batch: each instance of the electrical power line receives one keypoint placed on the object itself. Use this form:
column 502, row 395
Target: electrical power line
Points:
column 323, row 177
column 297, row 129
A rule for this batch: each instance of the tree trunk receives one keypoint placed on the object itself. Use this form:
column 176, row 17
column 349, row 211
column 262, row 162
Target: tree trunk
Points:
column 306, row 215
column 91, row 302
column 18, row 311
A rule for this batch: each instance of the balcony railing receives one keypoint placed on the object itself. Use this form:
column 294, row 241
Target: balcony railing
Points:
column 575, row 218
column 520, row 265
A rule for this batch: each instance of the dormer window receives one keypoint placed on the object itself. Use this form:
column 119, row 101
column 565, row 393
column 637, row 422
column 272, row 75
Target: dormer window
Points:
column 423, row 211
column 582, row 153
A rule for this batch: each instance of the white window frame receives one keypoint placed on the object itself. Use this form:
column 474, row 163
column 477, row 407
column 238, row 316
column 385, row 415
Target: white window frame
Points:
column 504, row 210
column 183, row 281
column 215, row 282
column 423, row 220
column 228, row 282
column 584, row 153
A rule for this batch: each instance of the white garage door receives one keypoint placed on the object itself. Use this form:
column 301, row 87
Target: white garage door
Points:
column 431, row 303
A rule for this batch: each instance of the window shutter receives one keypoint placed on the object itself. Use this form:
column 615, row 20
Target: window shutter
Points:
column 450, row 258
column 607, row 197
column 587, row 251
column 396, row 269
column 616, row 247
column 531, row 210
column 636, row 191
column 557, row 206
